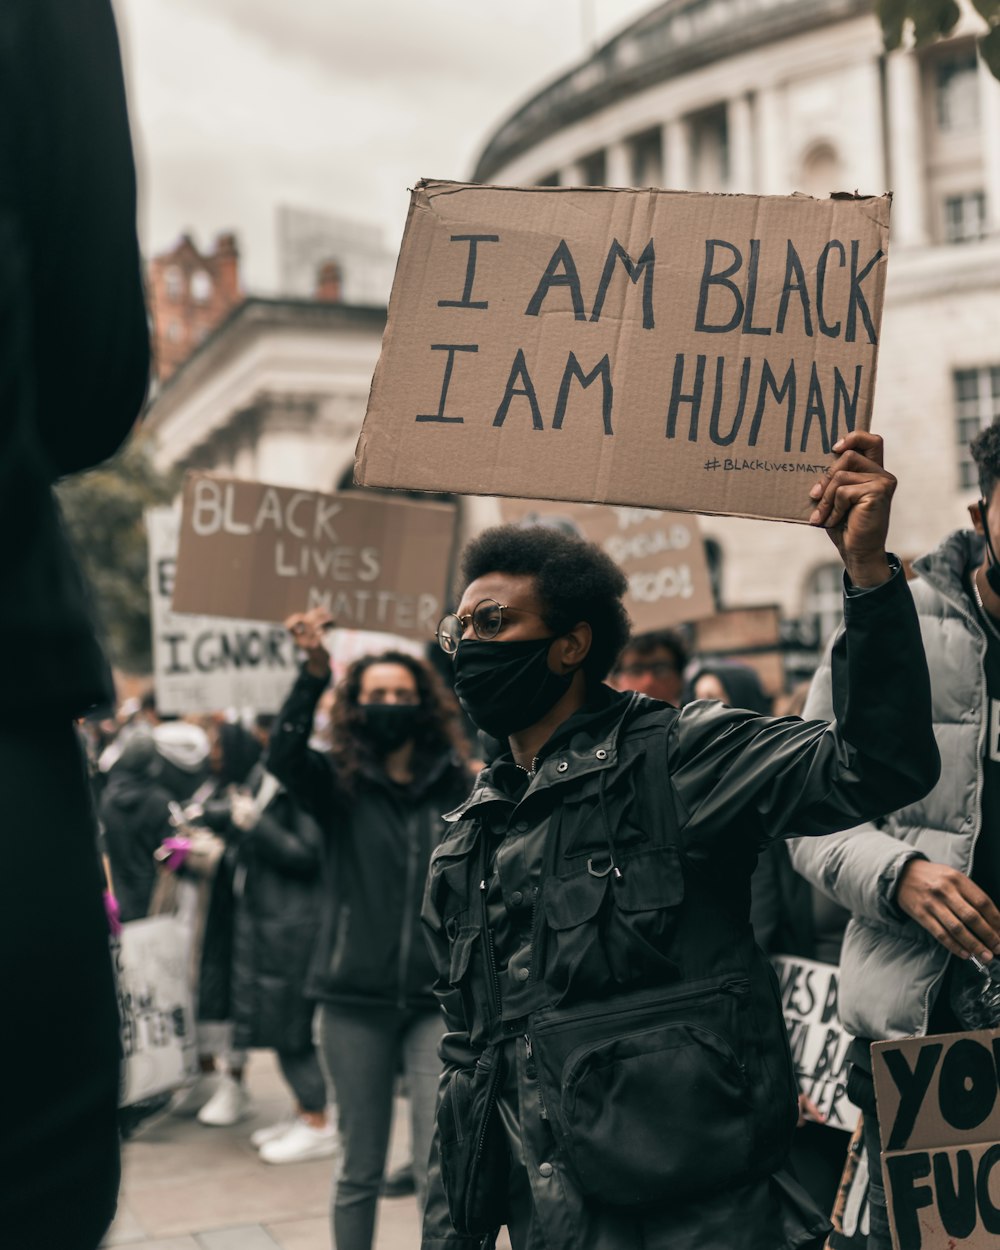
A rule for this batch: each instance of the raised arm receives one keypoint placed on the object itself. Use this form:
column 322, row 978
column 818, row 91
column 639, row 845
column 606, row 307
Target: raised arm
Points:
column 306, row 774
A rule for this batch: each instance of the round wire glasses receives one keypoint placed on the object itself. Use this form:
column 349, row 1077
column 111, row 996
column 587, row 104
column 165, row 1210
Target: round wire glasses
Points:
column 487, row 619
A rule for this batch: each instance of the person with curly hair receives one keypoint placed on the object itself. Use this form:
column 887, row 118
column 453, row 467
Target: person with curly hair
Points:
column 617, row 1073
column 396, row 762
column 933, row 868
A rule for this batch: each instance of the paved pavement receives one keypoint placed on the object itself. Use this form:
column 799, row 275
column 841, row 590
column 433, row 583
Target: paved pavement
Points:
column 187, row 1187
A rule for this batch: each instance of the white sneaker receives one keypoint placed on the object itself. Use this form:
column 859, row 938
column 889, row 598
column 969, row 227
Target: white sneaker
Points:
column 270, row 1132
column 301, row 1142
column 190, row 1099
column 229, row 1104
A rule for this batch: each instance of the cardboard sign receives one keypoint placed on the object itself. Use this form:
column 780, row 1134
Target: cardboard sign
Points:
column 154, row 1004
column 849, row 1217
column 817, row 1038
column 939, row 1118
column 749, row 636
column 661, row 554
column 205, row 663
column 661, row 348
column 258, row 551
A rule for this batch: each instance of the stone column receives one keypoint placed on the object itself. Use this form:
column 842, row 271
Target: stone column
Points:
column 571, row 175
column 740, row 140
column 677, row 154
column 989, row 107
column 907, row 159
column 618, row 164
column 871, row 172
column 773, row 175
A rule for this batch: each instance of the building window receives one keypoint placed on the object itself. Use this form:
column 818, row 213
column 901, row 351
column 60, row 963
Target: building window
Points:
column 821, row 172
column 956, row 91
column 710, row 150
column 201, row 286
column 965, row 217
column 713, row 558
column 593, row 170
column 823, row 602
column 647, row 159
column 977, row 405
column 173, row 283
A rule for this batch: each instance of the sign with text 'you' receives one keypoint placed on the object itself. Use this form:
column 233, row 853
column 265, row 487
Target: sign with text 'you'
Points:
column 665, row 349
column 939, row 1118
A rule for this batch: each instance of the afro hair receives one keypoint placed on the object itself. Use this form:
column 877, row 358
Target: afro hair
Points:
column 985, row 448
column 575, row 580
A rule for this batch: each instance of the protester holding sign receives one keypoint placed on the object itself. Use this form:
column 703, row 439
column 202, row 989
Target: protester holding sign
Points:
column 395, row 765
column 911, row 876
column 616, row 1071
column 73, row 372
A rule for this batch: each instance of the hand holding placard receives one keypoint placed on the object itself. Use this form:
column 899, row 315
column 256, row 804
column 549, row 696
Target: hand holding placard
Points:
column 308, row 630
column 853, row 499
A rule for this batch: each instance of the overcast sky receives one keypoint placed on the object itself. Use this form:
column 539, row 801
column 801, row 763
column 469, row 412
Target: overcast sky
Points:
column 241, row 105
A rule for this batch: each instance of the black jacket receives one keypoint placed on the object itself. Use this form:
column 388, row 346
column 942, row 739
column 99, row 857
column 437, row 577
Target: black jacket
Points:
column 625, row 1024
column 277, row 891
column 378, row 841
column 74, row 360
column 135, row 813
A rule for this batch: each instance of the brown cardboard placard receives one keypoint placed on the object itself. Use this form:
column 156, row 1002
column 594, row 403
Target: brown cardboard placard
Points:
column 255, row 551
column 661, row 553
column 665, row 349
column 939, row 1119
column 747, row 636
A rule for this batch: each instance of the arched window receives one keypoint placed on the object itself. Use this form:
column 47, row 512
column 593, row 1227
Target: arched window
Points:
column 201, row 286
column 173, row 282
column 821, row 172
column 823, row 600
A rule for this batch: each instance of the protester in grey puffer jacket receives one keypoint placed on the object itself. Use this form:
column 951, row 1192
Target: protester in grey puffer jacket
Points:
column 924, row 885
column 891, row 968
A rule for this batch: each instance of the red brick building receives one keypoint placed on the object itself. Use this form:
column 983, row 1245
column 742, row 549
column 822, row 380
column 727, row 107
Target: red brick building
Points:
column 190, row 293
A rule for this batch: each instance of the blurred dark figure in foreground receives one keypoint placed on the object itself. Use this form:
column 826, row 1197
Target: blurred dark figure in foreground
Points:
column 74, row 360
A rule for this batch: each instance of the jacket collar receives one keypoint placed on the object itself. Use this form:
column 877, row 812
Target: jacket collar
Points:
column 945, row 568
column 565, row 759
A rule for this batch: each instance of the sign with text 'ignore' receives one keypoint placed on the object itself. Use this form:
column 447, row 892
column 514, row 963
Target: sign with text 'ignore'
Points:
column 263, row 552
column 667, row 349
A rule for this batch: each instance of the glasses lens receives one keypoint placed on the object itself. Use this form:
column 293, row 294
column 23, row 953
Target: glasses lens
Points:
column 487, row 618
column 449, row 632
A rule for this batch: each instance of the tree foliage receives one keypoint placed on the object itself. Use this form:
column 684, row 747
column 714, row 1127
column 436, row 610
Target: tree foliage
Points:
column 104, row 515
column 931, row 19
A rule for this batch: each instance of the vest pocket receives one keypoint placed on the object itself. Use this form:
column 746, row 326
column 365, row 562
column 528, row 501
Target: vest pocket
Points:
column 473, row 1149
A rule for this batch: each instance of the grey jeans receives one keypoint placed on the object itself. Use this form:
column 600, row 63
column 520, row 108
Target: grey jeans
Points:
column 362, row 1050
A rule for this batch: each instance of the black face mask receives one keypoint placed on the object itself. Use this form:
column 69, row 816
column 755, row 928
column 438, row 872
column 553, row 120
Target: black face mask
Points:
column 993, row 569
column 507, row 686
column 388, row 725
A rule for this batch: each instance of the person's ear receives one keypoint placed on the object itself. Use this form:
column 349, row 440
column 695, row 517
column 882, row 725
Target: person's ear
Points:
column 571, row 648
column 976, row 514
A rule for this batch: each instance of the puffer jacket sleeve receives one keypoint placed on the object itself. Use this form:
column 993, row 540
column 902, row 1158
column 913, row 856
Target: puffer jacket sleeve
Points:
column 306, row 774
column 773, row 777
column 858, row 867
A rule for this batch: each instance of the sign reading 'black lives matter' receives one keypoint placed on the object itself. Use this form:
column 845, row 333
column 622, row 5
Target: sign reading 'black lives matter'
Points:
column 666, row 349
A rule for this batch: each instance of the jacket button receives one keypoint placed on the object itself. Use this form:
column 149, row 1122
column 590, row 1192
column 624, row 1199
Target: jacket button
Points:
column 545, row 1169
column 516, row 899
column 523, row 974
column 601, row 754
column 561, row 766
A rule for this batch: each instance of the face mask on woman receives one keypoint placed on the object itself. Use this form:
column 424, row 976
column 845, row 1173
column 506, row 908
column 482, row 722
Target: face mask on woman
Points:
column 389, row 725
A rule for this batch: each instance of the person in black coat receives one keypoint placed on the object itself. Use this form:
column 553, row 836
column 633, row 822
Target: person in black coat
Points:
column 277, row 899
column 379, row 794
column 74, row 365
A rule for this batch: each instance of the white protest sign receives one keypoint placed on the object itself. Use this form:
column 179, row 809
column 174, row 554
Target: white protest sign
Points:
column 817, row 1038
column 154, row 1003
column 209, row 663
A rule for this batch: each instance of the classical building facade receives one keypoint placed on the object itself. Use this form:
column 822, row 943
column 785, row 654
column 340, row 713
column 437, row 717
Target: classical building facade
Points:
column 776, row 96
